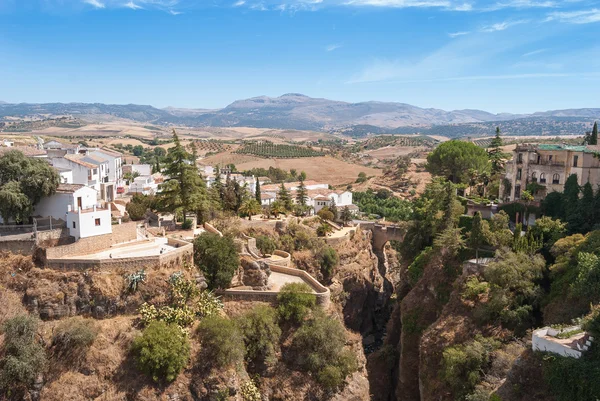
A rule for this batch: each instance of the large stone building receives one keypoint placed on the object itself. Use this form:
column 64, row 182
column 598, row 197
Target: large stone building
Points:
column 549, row 166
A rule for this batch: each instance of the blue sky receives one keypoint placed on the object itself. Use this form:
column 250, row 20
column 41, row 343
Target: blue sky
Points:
column 500, row 56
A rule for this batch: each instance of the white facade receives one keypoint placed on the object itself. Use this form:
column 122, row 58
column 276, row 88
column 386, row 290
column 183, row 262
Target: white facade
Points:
column 65, row 175
column 144, row 185
column 7, row 143
column 90, row 222
column 114, row 171
column 83, row 173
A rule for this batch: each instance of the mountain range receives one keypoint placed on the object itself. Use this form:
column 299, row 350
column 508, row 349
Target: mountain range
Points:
column 295, row 111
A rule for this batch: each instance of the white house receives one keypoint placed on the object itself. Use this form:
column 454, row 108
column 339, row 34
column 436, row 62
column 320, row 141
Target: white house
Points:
column 76, row 204
column 8, row 143
column 267, row 199
column 144, row 184
column 141, row 169
column 65, row 174
column 89, row 170
column 115, row 161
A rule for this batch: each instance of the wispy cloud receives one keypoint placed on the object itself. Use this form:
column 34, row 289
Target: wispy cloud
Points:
column 132, row 5
column 534, row 52
column 575, row 17
column 501, row 26
column 239, row 3
column 522, row 4
column 333, row 47
column 95, row 3
column 457, row 34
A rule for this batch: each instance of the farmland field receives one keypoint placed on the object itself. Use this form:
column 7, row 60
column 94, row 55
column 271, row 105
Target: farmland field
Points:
column 269, row 149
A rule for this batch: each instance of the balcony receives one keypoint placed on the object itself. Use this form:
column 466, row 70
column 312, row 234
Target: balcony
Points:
column 554, row 163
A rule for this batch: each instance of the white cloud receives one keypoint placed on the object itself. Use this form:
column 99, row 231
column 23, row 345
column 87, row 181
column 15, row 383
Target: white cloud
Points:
column 132, row 5
column 457, row 34
column 534, row 52
column 576, row 17
column 95, row 3
column 522, row 4
column 173, row 12
column 502, row 26
column 332, row 47
column 239, row 3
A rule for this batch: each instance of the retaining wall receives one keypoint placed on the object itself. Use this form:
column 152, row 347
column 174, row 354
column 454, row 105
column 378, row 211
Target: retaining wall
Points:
column 286, row 260
column 174, row 258
column 211, row 229
column 540, row 342
column 23, row 244
column 322, row 293
column 120, row 233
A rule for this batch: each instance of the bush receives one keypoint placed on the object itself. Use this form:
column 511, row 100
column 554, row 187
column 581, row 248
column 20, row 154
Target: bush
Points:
column 136, row 211
column 23, row 357
column 474, row 288
column 325, row 214
column 74, row 336
column 295, row 300
column 324, row 229
column 208, row 304
column 329, row 259
column 250, row 392
column 187, row 224
column 319, row 348
column 261, row 334
column 222, row 341
column 162, row 351
column 218, row 259
column 265, row 244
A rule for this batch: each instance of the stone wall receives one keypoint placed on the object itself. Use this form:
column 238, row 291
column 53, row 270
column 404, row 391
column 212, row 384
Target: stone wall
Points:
column 175, row 258
column 211, row 229
column 120, row 233
column 23, row 244
column 322, row 292
column 540, row 342
column 285, row 261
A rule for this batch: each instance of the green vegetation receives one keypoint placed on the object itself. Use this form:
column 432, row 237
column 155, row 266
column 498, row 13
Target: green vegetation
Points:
column 162, row 351
column 325, row 214
column 139, row 205
column 454, row 160
column 295, row 301
column 218, row 259
column 319, row 347
column 266, row 245
column 24, row 181
column 222, row 341
column 383, row 204
column 261, row 335
column 72, row 337
column 269, row 149
column 328, row 259
column 23, row 358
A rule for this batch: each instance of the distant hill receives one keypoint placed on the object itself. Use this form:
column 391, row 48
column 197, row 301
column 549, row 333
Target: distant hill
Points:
column 300, row 112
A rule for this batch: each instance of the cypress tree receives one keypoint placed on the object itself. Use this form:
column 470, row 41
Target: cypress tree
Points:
column 571, row 201
column 301, row 193
column 477, row 236
column 257, row 194
column 594, row 137
column 586, row 208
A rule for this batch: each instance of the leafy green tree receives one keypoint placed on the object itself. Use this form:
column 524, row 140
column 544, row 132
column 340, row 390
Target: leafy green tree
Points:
column 328, row 259
column 162, row 351
column 250, row 207
column 295, row 301
column 23, row 358
column 302, row 176
column 454, row 159
column 222, row 341
column 362, row 177
column 553, row 205
column 183, row 189
column 477, row 236
column 261, row 334
column 217, row 258
column 324, row 229
column 346, row 215
column 325, row 214
column 24, row 181
column 265, row 244
column 138, row 150
column 333, row 209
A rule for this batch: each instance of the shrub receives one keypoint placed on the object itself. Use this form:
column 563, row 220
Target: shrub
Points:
column 73, row 336
column 325, row 214
column 324, row 229
column 23, row 357
column 265, row 244
column 295, row 300
column 162, row 351
column 319, row 348
column 261, row 334
column 250, row 392
column 135, row 279
column 222, row 341
column 218, row 259
column 187, row 224
column 136, row 211
column 329, row 259
column 417, row 267
column 474, row 288
column 208, row 304
column 182, row 289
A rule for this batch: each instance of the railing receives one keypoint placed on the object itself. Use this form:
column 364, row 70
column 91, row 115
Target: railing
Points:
column 549, row 163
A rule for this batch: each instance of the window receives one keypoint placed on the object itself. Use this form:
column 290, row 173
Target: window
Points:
column 534, row 177
column 520, row 158
column 575, row 160
column 556, row 178
column 539, row 159
column 517, row 191
column 74, row 226
column 550, row 158
column 97, row 222
column 95, row 171
column 542, row 178
column 519, row 172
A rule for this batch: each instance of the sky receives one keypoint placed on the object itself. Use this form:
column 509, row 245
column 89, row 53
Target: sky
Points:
column 516, row 56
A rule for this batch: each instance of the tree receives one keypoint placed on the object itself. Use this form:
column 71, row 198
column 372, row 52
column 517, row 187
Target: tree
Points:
column 329, row 259
column 162, row 351
column 495, row 153
column 137, row 150
column 222, row 341
column 301, row 193
column 570, row 197
column 454, row 159
column 295, row 301
column 594, row 137
column 477, row 235
column 284, row 197
column 257, row 194
column 250, row 207
column 302, row 176
column 346, row 215
column 24, row 181
column 586, row 208
column 266, row 244
column 324, row 229
column 362, row 177
column 218, row 259
column 261, row 334
column 325, row 214
column 333, row 208
column 183, row 189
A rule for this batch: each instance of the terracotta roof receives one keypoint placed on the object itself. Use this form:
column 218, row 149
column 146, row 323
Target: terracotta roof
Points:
column 266, row 196
column 289, row 185
column 77, row 159
column 68, row 188
column 321, row 197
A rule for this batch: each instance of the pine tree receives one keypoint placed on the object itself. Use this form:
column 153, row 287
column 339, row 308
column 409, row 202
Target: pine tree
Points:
column 346, row 214
column 183, row 189
column 594, row 137
column 257, row 194
column 495, row 153
column 333, row 208
column 301, row 193
column 283, row 196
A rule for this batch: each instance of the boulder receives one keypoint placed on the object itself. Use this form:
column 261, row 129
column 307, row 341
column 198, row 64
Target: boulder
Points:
column 255, row 274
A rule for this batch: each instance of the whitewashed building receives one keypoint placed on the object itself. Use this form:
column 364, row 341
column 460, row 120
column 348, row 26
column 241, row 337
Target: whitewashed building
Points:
column 91, row 171
column 144, row 184
column 115, row 162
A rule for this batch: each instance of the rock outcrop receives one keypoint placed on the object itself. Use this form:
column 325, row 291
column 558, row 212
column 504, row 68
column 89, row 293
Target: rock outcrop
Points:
column 255, row 274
